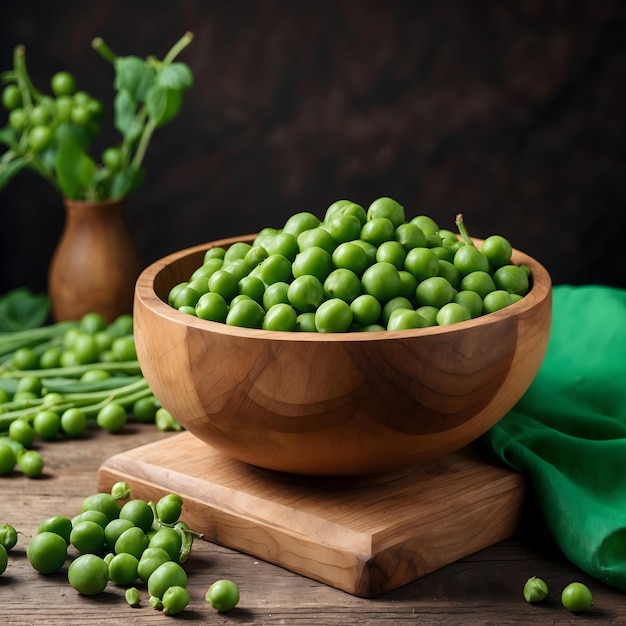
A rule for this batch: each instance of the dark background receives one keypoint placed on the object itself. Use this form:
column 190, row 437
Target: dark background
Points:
column 512, row 113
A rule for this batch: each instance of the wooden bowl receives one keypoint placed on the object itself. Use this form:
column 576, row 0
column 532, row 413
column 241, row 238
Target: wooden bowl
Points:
column 348, row 404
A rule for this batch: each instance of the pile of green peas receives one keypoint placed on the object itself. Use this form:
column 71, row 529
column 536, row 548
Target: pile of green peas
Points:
column 37, row 120
column 137, row 545
column 63, row 378
column 356, row 269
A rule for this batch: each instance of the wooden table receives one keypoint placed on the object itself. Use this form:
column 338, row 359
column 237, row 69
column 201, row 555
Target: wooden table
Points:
column 484, row 588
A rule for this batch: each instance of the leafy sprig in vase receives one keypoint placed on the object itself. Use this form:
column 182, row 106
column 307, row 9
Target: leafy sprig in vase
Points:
column 96, row 263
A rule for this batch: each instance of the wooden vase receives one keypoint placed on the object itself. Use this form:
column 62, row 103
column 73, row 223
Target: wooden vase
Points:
column 95, row 264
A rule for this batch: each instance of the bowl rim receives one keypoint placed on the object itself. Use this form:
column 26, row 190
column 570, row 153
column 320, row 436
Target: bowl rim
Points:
column 540, row 290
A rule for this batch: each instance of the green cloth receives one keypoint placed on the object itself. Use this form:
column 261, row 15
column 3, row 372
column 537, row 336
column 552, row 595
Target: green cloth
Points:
column 568, row 432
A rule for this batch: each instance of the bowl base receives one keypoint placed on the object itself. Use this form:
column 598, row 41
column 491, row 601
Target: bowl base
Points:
column 365, row 541
column 332, row 482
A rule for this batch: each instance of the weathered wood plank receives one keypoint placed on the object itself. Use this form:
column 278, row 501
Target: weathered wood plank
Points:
column 483, row 588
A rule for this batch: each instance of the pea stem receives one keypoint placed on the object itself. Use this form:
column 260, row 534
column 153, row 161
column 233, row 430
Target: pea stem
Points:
column 463, row 230
column 150, row 125
column 102, row 48
column 144, row 142
column 178, row 47
column 27, row 89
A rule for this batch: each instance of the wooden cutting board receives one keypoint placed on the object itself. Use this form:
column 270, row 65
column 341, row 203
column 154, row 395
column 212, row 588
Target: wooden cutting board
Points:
column 365, row 536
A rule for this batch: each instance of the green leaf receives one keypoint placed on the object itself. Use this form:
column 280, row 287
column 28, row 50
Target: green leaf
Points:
column 8, row 76
column 82, row 135
column 126, row 116
column 48, row 157
column 87, row 169
column 10, row 169
column 20, row 309
column 134, row 76
column 175, row 76
column 163, row 104
column 125, row 181
column 8, row 136
column 75, row 168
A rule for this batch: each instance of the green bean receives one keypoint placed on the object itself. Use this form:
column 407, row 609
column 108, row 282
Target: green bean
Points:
column 76, row 371
column 89, row 402
column 11, row 341
column 71, row 385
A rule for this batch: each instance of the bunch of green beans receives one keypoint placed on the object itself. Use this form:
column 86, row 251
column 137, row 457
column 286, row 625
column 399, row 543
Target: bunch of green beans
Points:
column 59, row 379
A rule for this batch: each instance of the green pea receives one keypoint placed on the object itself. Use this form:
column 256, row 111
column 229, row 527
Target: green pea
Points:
column 139, row 512
column 469, row 259
column 175, row 599
column 333, row 316
column 497, row 249
column 452, row 313
column 132, row 541
column 88, row 574
column 114, row 529
column 87, row 537
column 306, row 322
column 223, row 595
column 8, row 459
column 299, row 222
column 281, row 317
column 104, row 502
column 167, row 575
column 169, row 508
column 31, row 463
column 47, row 424
column 535, row 590
column 511, row 278
column 8, row 537
column 132, row 596
column 112, row 417
column 73, row 422
column 57, row 524
column 4, row 559
column 46, row 552
column 496, row 300
column 378, row 230
column 404, row 319
column 169, row 540
column 434, row 291
column 246, row 313
column 150, row 559
column 123, row 568
column 577, row 597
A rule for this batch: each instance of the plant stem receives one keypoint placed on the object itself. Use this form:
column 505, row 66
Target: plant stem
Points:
column 150, row 126
column 144, row 141
column 463, row 230
column 27, row 89
column 178, row 47
column 101, row 47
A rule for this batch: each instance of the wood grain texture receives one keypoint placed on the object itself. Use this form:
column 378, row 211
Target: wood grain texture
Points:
column 336, row 403
column 482, row 588
column 366, row 539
